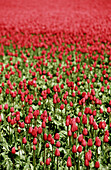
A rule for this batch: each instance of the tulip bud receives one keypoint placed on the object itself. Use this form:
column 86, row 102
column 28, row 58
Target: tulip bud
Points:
column 75, row 136
column 69, row 163
column 97, row 141
column 47, row 145
column 74, row 149
column 48, row 161
column 91, row 119
column 83, row 143
column 105, row 139
column 57, row 152
column 57, row 136
column 90, row 143
column 49, row 138
column 34, row 141
column 86, row 163
column 97, row 164
column 45, row 137
column 34, row 147
column 69, row 133
column 13, row 150
column 58, row 144
column 80, row 138
column 85, row 131
column 6, row 106
column 24, row 141
column 84, row 119
column 79, row 149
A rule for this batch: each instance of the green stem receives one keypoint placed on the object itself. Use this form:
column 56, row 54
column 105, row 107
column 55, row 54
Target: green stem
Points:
column 74, row 162
column 57, row 163
column 79, row 162
column 13, row 163
column 97, row 152
column 44, row 153
column 34, row 159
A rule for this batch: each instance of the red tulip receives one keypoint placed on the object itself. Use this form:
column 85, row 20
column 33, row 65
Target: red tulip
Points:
column 57, row 136
column 69, row 163
column 97, row 164
column 45, row 137
column 105, row 139
column 13, row 150
column 83, row 143
column 49, row 138
column 69, row 133
column 79, row 149
column 48, row 161
column 6, row 106
column 57, row 152
column 89, row 143
column 74, row 149
column 24, row 141
column 80, row 138
column 34, row 141
column 47, row 145
column 34, row 147
column 97, row 141
column 86, row 163
column 85, row 131
column 58, row 144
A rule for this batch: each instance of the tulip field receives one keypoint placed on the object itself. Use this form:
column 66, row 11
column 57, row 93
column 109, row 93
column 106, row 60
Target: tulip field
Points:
column 55, row 85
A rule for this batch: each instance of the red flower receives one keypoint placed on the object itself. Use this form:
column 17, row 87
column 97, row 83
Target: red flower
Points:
column 80, row 138
column 24, row 141
column 90, row 143
column 34, row 147
column 48, row 161
column 45, row 137
column 34, row 141
column 97, row 164
column 58, row 144
column 85, row 131
column 13, row 150
column 57, row 136
column 57, row 152
column 69, row 163
column 69, row 133
column 97, row 141
column 88, row 155
column 6, row 106
column 47, row 145
column 84, row 119
column 105, row 139
column 86, row 163
column 83, row 143
column 49, row 138
column 79, row 149
column 62, row 107
column 74, row 149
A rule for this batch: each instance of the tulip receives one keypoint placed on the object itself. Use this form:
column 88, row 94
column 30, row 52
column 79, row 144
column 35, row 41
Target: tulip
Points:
column 97, row 164
column 57, row 136
column 69, row 163
column 85, row 131
column 48, row 161
column 86, row 163
column 57, row 152
column 13, row 150
column 90, row 143
column 24, row 141
column 58, row 144
column 74, row 149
